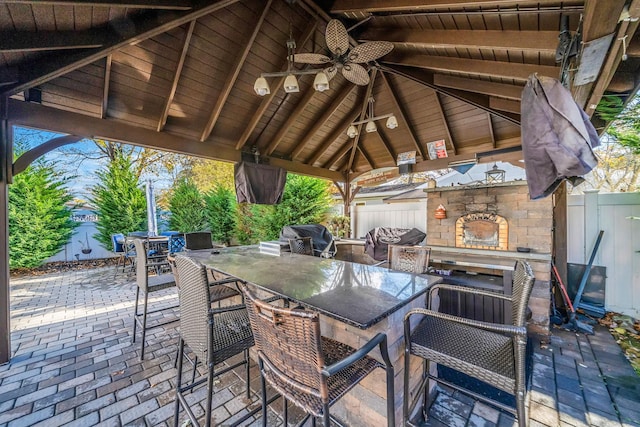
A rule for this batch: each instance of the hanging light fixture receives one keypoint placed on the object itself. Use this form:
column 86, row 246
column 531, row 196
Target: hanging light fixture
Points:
column 371, row 126
column 261, row 86
column 321, row 82
column 291, row 84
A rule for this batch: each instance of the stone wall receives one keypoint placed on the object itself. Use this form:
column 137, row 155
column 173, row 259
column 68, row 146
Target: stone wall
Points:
column 530, row 225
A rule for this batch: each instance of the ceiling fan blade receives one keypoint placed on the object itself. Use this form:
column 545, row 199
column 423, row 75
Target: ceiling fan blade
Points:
column 370, row 51
column 356, row 74
column 337, row 37
column 311, row 58
column 331, row 72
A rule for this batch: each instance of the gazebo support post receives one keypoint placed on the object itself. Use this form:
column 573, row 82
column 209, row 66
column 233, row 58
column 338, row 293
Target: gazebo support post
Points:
column 6, row 159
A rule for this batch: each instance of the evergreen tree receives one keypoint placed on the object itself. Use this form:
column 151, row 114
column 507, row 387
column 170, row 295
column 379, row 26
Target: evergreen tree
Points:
column 39, row 221
column 120, row 204
column 221, row 213
column 187, row 207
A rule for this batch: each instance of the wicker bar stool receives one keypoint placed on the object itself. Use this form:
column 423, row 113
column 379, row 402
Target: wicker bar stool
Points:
column 412, row 259
column 301, row 245
column 311, row 371
column 148, row 284
column 493, row 353
column 212, row 334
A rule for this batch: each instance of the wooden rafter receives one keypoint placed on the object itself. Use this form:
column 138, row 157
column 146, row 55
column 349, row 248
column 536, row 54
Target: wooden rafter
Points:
column 355, row 6
column 42, row 117
column 387, row 147
column 502, row 104
column 137, row 4
column 363, row 112
column 176, row 75
column 28, row 41
column 445, row 123
column 337, row 131
column 367, row 157
column 479, row 86
column 266, row 101
column 537, row 41
column 326, row 115
column 137, row 28
column 493, row 136
column 477, row 100
column 105, row 86
column 510, row 70
column 338, row 154
column 403, row 117
column 233, row 75
column 293, row 117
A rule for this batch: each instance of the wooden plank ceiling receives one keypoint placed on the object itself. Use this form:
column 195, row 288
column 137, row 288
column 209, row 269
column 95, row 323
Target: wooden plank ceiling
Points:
column 179, row 74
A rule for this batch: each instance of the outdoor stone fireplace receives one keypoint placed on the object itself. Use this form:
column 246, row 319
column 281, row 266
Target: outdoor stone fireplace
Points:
column 484, row 228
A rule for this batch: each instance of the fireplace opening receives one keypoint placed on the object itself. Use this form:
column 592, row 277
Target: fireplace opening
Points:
column 482, row 230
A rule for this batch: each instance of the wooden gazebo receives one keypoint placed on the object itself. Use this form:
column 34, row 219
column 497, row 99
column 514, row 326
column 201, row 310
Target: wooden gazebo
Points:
column 179, row 75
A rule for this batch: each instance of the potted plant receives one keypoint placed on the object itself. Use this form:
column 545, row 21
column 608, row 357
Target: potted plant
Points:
column 85, row 249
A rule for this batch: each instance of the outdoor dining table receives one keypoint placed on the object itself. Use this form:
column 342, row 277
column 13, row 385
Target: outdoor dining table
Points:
column 356, row 301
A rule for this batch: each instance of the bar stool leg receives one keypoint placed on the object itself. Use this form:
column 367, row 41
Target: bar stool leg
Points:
column 144, row 325
column 246, row 361
column 263, row 392
column 179, row 381
column 135, row 314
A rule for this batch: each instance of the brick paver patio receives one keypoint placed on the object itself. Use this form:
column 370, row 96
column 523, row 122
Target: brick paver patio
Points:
column 74, row 364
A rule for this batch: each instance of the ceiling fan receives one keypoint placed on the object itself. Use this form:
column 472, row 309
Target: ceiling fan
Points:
column 345, row 59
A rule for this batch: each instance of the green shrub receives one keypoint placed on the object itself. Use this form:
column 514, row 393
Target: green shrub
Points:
column 187, row 207
column 120, row 204
column 221, row 213
column 39, row 221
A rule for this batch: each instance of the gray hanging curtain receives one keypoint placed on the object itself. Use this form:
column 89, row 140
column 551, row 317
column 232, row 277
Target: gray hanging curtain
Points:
column 258, row 183
column 557, row 136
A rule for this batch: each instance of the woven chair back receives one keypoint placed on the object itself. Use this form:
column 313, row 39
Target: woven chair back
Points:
column 523, row 280
column 142, row 273
column 198, row 240
column 288, row 342
column 301, row 245
column 194, row 305
column 412, row 259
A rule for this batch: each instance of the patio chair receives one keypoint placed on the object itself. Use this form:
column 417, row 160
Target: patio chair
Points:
column 198, row 240
column 490, row 352
column 118, row 248
column 311, row 371
column 212, row 334
column 301, row 245
column 412, row 259
column 148, row 284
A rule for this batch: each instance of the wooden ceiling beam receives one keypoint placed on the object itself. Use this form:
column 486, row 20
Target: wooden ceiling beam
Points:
column 367, row 157
column 509, row 70
column 176, row 76
column 52, row 119
column 338, row 130
column 493, row 136
column 133, row 4
column 387, row 147
column 363, row 112
column 136, row 29
column 479, row 86
column 477, row 100
column 322, row 120
column 537, row 41
column 403, row 117
column 293, row 117
column 502, row 104
column 445, row 123
column 338, row 155
column 266, row 100
column 105, row 86
column 233, row 75
column 29, row 41
column 355, row 6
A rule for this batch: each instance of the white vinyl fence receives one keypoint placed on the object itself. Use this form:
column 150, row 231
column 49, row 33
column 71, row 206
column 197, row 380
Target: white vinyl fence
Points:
column 399, row 215
column 618, row 251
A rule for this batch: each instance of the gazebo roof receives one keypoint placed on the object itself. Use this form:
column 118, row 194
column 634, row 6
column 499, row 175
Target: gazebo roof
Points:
column 178, row 75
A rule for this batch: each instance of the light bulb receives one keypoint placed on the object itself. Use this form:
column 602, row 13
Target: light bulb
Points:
column 371, row 126
column 352, row 132
column 321, row 82
column 291, row 84
column 392, row 122
column 261, row 86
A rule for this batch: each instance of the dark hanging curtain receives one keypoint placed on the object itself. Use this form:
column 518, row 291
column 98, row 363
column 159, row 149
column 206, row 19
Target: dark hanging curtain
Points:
column 258, row 183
